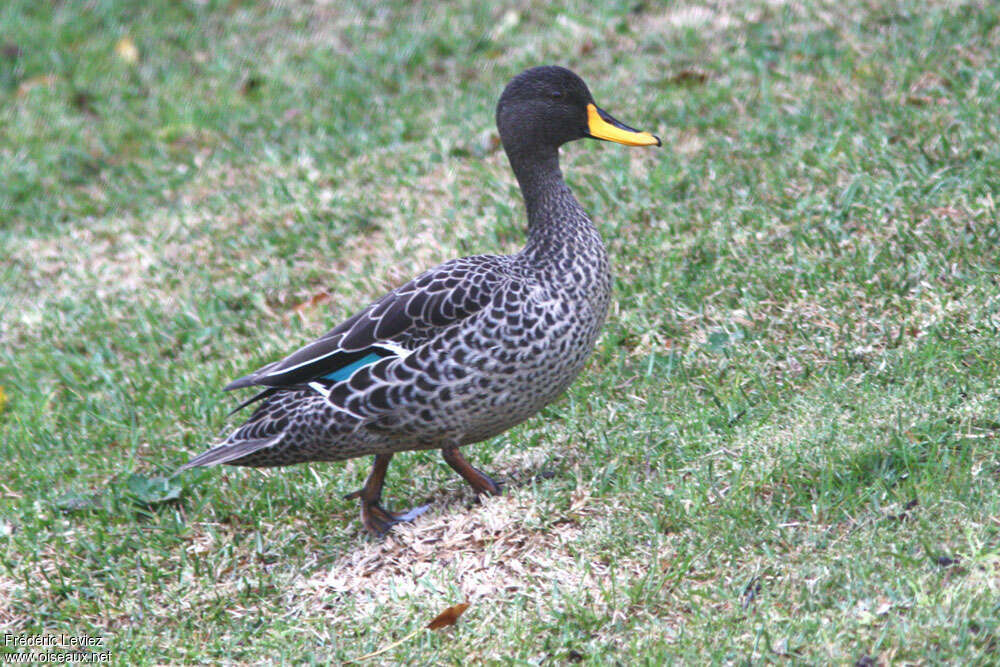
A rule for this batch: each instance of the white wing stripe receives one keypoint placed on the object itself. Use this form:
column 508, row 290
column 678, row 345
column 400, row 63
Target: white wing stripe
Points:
column 397, row 350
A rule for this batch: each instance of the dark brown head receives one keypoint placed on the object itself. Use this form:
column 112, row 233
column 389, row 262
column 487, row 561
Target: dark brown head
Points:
column 545, row 107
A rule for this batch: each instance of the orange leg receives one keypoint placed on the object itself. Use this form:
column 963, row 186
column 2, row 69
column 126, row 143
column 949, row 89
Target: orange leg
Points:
column 477, row 479
column 377, row 519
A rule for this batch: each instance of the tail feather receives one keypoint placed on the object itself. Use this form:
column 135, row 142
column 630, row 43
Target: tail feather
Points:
column 259, row 396
column 227, row 452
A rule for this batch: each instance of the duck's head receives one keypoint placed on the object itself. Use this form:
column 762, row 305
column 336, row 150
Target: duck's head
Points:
column 545, row 107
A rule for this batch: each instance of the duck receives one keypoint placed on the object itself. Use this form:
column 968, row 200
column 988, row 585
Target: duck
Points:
column 467, row 349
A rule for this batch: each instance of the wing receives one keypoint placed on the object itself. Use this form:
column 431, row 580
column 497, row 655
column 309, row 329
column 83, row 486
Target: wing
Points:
column 436, row 299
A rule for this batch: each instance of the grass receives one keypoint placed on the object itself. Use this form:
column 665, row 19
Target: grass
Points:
column 783, row 450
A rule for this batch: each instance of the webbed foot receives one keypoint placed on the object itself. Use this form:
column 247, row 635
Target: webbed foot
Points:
column 379, row 520
column 477, row 479
column 376, row 519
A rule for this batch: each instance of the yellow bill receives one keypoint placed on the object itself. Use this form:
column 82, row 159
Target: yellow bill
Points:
column 602, row 125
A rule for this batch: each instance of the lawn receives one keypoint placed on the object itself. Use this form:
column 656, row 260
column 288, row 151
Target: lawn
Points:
column 785, row 448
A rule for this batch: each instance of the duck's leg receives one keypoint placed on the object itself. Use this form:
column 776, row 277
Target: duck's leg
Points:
column 376, row 518
column 477, row 479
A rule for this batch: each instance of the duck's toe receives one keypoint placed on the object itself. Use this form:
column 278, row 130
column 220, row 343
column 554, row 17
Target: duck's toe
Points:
column 476, row 478
column 379, row 520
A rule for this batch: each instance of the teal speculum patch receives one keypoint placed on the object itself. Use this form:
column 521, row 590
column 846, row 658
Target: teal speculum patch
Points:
column 348, row 370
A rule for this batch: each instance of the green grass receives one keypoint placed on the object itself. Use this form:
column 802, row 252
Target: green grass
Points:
column 785, row 447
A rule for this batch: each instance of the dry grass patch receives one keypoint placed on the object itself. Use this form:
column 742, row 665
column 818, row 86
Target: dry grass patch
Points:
column 511, row 546
column 8, row 619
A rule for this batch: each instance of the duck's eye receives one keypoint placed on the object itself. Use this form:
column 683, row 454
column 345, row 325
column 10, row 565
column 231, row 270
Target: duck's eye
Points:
column 556, row 94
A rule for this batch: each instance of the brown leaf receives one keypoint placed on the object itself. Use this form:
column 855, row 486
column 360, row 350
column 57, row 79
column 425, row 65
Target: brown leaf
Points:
column 442, row 620
column 448, row 617
column 303, row 308
column 691, row 76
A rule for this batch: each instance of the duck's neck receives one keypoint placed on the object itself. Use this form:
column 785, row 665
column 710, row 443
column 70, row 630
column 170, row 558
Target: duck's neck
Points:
column 556, row 221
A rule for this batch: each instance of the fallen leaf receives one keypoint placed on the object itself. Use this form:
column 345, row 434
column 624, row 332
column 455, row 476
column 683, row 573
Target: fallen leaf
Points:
column 313, row 301
column 303, row 308
column 153, row 490
column 448, row 617
column 689, row 76
column 127, row 50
